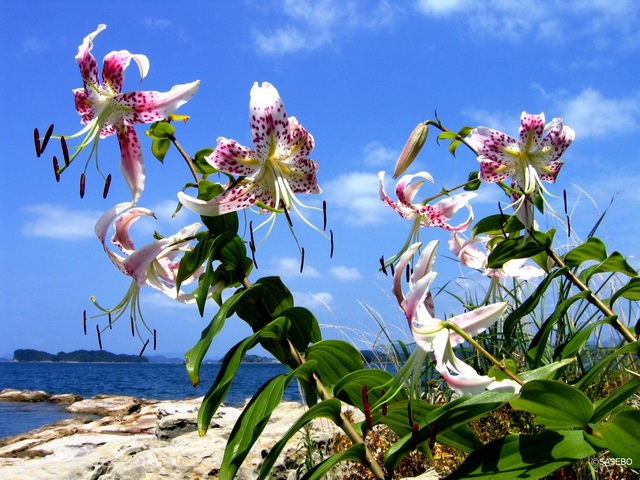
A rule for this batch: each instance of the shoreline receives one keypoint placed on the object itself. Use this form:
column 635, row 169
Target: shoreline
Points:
column 122, row 437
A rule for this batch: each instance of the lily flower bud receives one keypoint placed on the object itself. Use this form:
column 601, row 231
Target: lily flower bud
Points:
column 411, row 149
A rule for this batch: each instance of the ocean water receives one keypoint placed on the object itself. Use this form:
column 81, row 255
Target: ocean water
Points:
column 151, row 381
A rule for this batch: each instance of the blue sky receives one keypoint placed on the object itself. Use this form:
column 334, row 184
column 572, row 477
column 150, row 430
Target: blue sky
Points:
column 359, row 75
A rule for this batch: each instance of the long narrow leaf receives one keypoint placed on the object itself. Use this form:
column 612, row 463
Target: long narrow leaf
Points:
column 327, row 409
column 355, row 453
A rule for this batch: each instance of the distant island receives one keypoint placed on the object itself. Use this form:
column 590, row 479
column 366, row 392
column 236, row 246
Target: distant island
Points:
column 102, row 356
column 78, row 356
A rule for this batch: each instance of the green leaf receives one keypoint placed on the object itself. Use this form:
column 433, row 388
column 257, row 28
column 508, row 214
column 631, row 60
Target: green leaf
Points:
column 159, row 148
column 200, row 161
column 161, row 130
column 448, row 135
column 304, row 327
column 251, row 423
column 196, row 354
column 588, row 378
column 355, row 453
column 592, row 249
column 193, row 259
column 498, row 374
column 525, row 456
column 273, row 299
column 530, row 304
column 573, row 346
column 539, row 343
column 630, row 291
column 462, row 410
column 622, row 434
column 556, row 405
column 473, row 182
column 330, row 409
column 619, row 395
column 614, row 263
column 400, row 417
column 547, row 372
column 520, row 247
column 228, row 369
column 349, row 388
column 497, row 225
column 335, row 360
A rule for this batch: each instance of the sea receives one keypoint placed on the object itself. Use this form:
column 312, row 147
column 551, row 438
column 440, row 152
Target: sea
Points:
column 144, row 380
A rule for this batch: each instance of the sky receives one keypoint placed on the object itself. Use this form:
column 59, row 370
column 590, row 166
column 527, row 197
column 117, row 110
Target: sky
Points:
column 359, row 75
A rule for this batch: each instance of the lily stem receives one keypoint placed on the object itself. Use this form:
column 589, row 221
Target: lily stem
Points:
column 187, row 158
column 468, row 338
column 593, row 299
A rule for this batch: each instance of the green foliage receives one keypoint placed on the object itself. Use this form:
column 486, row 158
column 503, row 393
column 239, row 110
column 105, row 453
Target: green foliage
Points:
column 525, row 456
column 555, row 404
column 161, row 133
column 622, row 434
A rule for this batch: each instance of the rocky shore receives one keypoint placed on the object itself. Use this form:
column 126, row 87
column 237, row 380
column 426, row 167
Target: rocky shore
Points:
column 120, row 437
column 113, row 437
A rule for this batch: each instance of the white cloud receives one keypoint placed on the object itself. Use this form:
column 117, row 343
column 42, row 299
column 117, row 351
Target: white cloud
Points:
column 290, row 267
column 347, row 274
column 313, row 24
column 592, row 114
column 376, row 154
column 59, row 222
column 604, row 23
column 313, row 301
column 355, row 197
column 441, row 7
column 156, row 23
column 33, row 44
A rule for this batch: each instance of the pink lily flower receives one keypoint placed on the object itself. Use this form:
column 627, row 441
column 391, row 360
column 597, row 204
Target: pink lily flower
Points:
column 470, row 255
column 433, row 335
column 423, row 214
column 105, row 110
column 426, row 215
column 273, row 172
column 529, row 161
column 155, row 265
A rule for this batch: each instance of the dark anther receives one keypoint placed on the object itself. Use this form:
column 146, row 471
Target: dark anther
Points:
column 407, row 272
column 564, row 197
column 324, row 215
column 56, row 169
column 65, row 151
column 384, row 268
column 133, row 331
column 82, row 180
column 568, row 226
column 393, row 269
column 110, row 323
column 99, row 339
column 36, row 141
column 331, row 238
column 252, row 242
column 367, row 407
column 47, row 136
column 84, row 321
column 286, row 214
column 301, row 259
column 155, row 339
column 107, row 184
column 143, row 347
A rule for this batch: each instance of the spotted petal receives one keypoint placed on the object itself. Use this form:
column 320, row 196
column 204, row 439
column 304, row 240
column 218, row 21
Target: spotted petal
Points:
column 87, row 62
column 114, row 65
column 268, row 121
column 131, row 162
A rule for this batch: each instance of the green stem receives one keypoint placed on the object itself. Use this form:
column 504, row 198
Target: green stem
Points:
column 593, row 299
column 469, row 339
column 187, row 158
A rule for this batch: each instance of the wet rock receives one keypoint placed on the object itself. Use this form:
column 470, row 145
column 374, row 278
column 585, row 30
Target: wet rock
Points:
column 11, row 395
